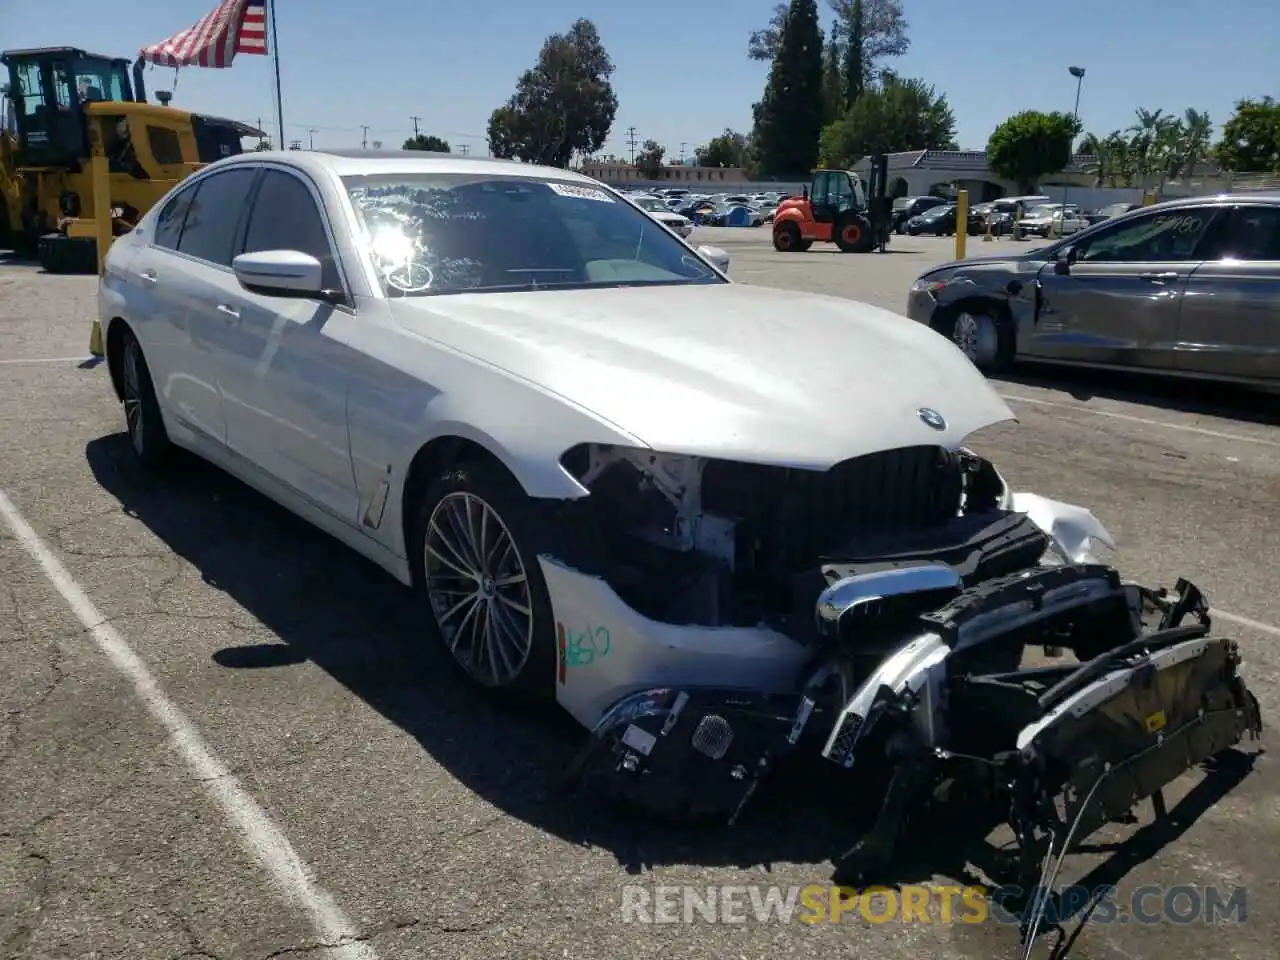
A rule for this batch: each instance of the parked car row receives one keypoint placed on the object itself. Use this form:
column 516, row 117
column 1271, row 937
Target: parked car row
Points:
column 719, row 210
column 1021, row 216
column 1188, row 287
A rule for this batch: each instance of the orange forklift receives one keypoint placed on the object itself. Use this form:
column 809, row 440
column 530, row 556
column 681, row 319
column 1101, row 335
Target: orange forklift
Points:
column 835, row 209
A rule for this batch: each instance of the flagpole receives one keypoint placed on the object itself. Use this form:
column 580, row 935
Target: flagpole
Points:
column 275, row 56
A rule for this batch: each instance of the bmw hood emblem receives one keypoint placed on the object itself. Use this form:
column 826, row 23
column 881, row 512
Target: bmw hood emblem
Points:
column 932, row 418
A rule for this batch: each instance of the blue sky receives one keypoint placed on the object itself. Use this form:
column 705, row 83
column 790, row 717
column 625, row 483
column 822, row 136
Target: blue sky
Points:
column 682, row 72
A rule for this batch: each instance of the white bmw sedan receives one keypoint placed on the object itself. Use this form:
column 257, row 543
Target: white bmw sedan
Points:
column 602, row 465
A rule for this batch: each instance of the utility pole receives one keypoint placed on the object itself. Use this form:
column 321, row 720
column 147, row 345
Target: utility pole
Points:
column 465, row 149
column 632, row 141
column 364, row 136
column 683, row 144
column 415, row 125
column 311, row 138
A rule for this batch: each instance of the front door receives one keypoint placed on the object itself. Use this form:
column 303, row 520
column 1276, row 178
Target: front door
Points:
column 1120, row 299
column 284, row 380
column 1230, row 322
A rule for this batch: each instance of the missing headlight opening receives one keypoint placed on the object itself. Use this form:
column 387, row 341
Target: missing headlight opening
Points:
column 690, row 540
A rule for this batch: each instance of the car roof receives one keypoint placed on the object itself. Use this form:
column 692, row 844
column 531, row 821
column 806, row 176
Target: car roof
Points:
column 357, row 162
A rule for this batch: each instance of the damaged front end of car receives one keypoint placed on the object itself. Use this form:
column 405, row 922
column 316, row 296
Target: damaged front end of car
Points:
column 908, row 676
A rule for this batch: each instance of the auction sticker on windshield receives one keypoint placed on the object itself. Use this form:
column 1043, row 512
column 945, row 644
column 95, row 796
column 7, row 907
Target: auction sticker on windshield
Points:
column 579, row 192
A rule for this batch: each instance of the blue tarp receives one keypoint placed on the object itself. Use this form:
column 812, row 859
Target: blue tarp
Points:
column 738, row 217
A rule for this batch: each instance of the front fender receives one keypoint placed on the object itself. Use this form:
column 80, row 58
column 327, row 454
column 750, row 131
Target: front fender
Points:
column 1073, row 530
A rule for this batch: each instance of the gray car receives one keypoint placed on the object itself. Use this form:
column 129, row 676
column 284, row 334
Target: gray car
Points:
column 1189, row 287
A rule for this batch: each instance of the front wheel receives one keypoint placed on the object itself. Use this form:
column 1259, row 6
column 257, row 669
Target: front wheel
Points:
column 477, row 543
column 853, row 234
column 980, row 337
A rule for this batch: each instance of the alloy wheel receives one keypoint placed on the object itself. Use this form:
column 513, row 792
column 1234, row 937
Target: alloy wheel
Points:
column 966, row 335
column 479, row 588
column 131, row 368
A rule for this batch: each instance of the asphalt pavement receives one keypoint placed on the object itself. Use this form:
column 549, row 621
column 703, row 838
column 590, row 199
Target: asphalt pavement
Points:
column 222, row 736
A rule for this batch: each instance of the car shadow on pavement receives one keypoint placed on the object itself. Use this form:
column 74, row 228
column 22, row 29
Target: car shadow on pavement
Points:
column 1166, row 392
column 333, row 608
column 329, row 606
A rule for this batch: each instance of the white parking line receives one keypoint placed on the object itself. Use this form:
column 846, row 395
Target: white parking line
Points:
column 1245, row 621
column 264, row 840
column 1185, row 428
column 45, row 360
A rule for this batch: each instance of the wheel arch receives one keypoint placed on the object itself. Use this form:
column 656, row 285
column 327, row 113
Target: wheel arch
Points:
column 998, row 308
column 113, row 340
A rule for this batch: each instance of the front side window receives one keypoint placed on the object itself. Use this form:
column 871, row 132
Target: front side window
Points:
column 458, row 233
column 1167, row 236
column 285, row 217
column 210, row 230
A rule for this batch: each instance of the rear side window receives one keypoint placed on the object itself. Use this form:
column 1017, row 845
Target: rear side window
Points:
column 170, row 220
column 285, row 217
column 1253, row 233
column 210, row 230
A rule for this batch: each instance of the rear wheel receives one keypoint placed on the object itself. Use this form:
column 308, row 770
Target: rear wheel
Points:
column 787, row 239
column 142, row 418
column 852, row 234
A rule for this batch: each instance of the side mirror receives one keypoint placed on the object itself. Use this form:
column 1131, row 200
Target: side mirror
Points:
column 717, row 256
column 1063, row 260
column 280, row 273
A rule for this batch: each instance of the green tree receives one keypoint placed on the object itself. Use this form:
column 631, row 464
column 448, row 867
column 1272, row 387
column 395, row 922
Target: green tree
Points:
column 898, row 115
column 727, row 150
column 832, row 78
column 649, row 159
column 884, row 32
column 1251, row 138
column 565, row 105
column 789, row 116
column 854, row 67
column 424, row 141
column 1031, row 145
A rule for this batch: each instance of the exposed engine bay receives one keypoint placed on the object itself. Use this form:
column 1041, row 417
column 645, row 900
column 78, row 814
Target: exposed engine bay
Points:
column 718, row 543
column 914, row 585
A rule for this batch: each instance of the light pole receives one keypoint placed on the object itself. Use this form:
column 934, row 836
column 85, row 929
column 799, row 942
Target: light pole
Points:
column 1078, row 73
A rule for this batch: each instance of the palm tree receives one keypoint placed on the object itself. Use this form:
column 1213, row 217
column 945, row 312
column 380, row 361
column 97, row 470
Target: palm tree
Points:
column 1111, row 165
column 1197, row 133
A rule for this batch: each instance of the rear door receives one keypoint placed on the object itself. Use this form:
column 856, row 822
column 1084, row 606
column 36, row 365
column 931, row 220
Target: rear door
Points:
column 1120, row 301
column 187, row 278
column 1230, row 324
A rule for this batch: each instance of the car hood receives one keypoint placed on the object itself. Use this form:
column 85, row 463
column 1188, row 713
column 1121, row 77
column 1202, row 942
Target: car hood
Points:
column 727, row 371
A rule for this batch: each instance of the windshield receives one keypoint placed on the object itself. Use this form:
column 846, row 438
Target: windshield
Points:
column 440, row 233
column 652, row 204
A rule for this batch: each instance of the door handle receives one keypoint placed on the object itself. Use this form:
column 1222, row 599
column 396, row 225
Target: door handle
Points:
column 148, row 276
column 1168, row 275
column 230, row 313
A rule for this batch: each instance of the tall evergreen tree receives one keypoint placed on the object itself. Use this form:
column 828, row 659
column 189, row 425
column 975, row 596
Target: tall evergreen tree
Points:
column 855, row 66
column 832, row 77
column 790, row 116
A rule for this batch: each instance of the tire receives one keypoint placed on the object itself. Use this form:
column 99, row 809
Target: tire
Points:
column 787, row 239
column 978, row 333
column 61, row 254
column 142, row 418
column 516, row 663
column 852, row 234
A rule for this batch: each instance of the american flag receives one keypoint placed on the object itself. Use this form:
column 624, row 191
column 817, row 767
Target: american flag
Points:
column 236, row 26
